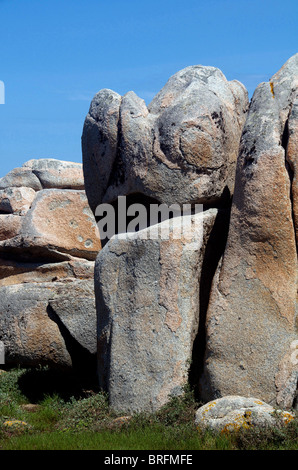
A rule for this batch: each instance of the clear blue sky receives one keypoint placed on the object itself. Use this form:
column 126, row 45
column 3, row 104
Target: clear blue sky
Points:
column 56, row 54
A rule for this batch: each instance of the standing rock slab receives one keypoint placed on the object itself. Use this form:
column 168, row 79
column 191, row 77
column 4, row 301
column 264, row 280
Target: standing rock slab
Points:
column 252, row 315
column 148, row 302
column 180, row 149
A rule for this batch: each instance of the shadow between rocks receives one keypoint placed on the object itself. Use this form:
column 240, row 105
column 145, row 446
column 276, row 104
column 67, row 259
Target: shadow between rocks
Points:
column 214, row 250
column 76, row 381
column 41, row 382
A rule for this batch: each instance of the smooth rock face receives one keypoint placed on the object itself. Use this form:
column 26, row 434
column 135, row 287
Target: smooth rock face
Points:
column 148, row 304
column 29, row 335
column 181, row 149
column 232, row 413
column 48, row 243
column 252, row 316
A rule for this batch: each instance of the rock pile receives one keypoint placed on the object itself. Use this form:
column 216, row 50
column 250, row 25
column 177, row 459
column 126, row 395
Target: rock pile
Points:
column 215, row 305
column 48, row 244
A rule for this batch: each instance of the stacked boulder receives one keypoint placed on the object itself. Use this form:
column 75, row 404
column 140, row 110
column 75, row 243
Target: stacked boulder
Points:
column 48, row 244
column 181, row 150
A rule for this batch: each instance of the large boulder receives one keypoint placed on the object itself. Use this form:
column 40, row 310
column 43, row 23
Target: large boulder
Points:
column 148, row 309
column 182, row 148
column 48, row 245
column 252, row 315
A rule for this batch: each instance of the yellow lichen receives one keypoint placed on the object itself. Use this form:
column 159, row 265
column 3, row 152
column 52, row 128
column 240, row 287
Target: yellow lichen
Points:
column 287, row 417
column 272, row 89
column 14, row 423
column 241, row 421
column 208, row 407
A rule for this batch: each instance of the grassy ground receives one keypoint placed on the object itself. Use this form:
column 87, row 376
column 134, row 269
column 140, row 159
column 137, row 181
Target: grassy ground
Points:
column 40, row 411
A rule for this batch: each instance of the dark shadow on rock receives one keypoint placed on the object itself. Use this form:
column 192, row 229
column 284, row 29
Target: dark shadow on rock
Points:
column 120, row 207
column 77, row 381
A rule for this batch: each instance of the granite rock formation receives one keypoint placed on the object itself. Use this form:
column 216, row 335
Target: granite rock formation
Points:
column 148, row 310
column 229, row 414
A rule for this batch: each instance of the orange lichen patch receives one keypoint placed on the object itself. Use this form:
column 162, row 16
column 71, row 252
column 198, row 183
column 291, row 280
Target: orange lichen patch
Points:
column 240, row 422
column 287, row 417
column 259, row 402
column 272, row 89
column 208, row 407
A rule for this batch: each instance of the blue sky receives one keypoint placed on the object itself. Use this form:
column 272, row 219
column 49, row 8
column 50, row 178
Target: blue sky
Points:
column 56, row 54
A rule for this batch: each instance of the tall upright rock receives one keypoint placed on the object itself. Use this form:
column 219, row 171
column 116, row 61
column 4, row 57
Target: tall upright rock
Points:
column 252, row 315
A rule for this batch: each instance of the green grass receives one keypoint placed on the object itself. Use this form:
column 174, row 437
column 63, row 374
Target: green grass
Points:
column 66, row 416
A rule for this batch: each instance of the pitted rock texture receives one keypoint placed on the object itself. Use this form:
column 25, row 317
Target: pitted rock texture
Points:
column 48, row 244
column 60, row 221
column 180, row 149
column 252, row 315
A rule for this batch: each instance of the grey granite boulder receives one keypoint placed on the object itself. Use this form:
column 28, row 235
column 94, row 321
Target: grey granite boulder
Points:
column 45, row 173
column 58, row 224
column 46, row 323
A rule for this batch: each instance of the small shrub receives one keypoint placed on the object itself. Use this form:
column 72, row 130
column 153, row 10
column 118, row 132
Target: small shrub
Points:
column 281, row 436
column 86, row 413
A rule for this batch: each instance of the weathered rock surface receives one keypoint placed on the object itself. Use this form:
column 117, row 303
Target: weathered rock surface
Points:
column 49, row 242
column 148, row 301
column 252, row 316
column 181, row 149
column 16, row 200
column 232, row 413
column 45, row 173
